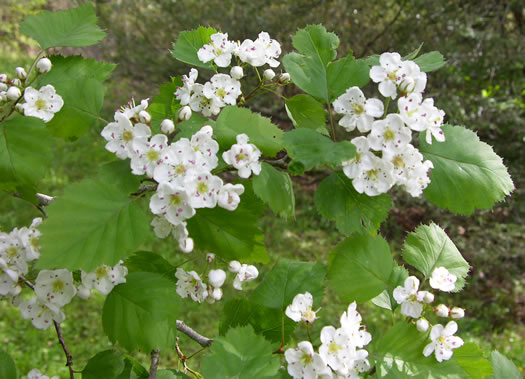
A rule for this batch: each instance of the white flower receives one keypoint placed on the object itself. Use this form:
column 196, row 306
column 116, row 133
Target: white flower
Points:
column 357, row 110
column 407, row 297
column 36, row 374
column 167, row 126
column 418, row 178
column 216, row 294
column 202, row 188
column 200, row 103
column 43, row 103
column 354, row 166
column 13, row 257
column 206, row 148
column 3, row 78
column 284, row 78
column 234, row 266
column 40, row 314
column 104, row 278
column 217, row 278
column 272, row 48
column 144, row 117
column 336, row 349
column 435, row 118
column 189, row 284
column 184, row 113
column 122, row 135
column 161, row 227
column 180, row 159
column 29, row 239
column 301, row 308
column 422, row 325
column 171, row 201
column 262, row 50
column 351, row 324
column 442, row 279
column 55, row 288
column 425, row 296
column 149, row 155
column 412, row 79
column 223, row 89
column 210, row 257
column 442, row 310
column 8, row 282
column 457, row 313
column 246, row 273
column 229, row 196
column 21, row 73
column 244, row 157
column 180, row 233
column 443, row 341
column 43, row 65
column 303, row 362
column 183, row 94
column 375, row 176
column 132, row 111
column 268, row 74
column 219, row 49
column 389, row 134
column 236, row 72
column 387, row 74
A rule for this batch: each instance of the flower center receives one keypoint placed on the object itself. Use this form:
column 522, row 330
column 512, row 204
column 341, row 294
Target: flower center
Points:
column 127, row 136
column 175, row 200
column 240, row 157
column 34, row 243
column 358, row 108
column 221, row 92
column 11, row 252
column 309, row 315
column 152, row 155
column 372, row 174
column 58, row 285
column 40, row 104
column 202, row 187
column 334, row 348
column 180, row 169
column 306, row 359
column 398, row 161
column 101, row 272
column 389, row 135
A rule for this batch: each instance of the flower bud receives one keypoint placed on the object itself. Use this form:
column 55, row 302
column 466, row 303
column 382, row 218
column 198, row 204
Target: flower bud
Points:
column 268, row 74
column 3, row 78
column 236, row 72
column 425, row 297
column 21, row 73
column 186, row 245
column 217, row 278
column 144, row 117
column 167, row 126
column 3, row 96
column 13, row 93
column 3, row 87
column 19, row 108
column 83, row 292
column 16, row 82
column 43, row 65
column 216, row 294
column 234, row 266
column 251, row 273
column 457, row 313
column 210, row 257
column 442, row 310
column 185, row 113
column 422, row 325
column 284, row 78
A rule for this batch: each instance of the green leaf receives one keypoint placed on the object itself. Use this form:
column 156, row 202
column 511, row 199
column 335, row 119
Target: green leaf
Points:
column 73, row 27
column 306, row 112
column 146, row 261
column 25, row 151
column 312, row 150
column 470, row 358
column 108, row 364
column 386, row 298
column 264, row 320
column 234, row 120
column 287, row 279
column 308, row 70
column 141, row 313
column 345, row 73
column 360, row 267
column 193, row 125
column 503, row 367
column 231, row 235
column 171, row 374
column 165, row 105
column 430, row 61
column 429, row 247
column 188, row 44
column 118, row 174
column 401, row 349
column 467, row 174
column 7, row 366
column 240, row 354
column 412, row 55
column 275, row 189
column 337, row 200
column 91, row 224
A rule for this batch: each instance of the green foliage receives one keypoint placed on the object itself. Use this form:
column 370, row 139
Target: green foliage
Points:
column 287, row 279
column 337, row 200
column 470, row 358
column 240, row 354
column 108, row 364
column 309, row 149
column 188, row 44
column 386, row 298
column 141, row 313
column 7, row 366
column 345, row 73
column 503, row 367
column 275, row 189
column 171, row 374
column 429, row 247
column 306, row 112
column 73, row 27
column 234, row 120
column 146, row 261
column 360, row 267
column 430, row 61
column 467, row 174
column 165, row 105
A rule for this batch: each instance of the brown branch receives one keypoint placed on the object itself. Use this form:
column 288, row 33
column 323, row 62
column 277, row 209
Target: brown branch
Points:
column 201, row 340
column 154, row 364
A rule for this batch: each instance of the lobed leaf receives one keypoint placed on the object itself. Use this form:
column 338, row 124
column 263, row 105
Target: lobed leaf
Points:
column 188, row 44
column 345, row 73
column 306, row 112
column 430, row 61
column 503, row 367
column 470, row 358
column 275, row 189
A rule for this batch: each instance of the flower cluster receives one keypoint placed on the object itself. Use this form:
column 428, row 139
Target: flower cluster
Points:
column 390, row 134
column 341, row 353
column 36, row 374
column 103, row 279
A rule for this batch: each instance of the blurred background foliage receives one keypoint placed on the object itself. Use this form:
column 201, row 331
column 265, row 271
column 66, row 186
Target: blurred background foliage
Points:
column 481, row 87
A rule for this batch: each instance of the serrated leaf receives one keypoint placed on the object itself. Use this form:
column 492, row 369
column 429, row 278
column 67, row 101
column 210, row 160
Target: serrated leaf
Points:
column 264, row 320
column 470, row 358
column 345, row 73
column 240, row 354
column 503, row 367
column 429, row 247
column 7, row 366
column 275, row 189
column 141, row 313
column 25, row 152
column 165, row 105
column 287, row 279
column 306, row 112
column 91, row 224
column 430, row 61
column 118, row 174
column 73, row 27
column 386, row 298
column 146, row 261
column 467, row 174
column 234, row 120
column 312, row 150
column 337, row 200
column 108, row 364
column 188, row 44
column 360, row 267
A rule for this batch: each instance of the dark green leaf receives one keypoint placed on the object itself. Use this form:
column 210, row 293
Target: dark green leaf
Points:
column 430, row 61
column 7, row 366
column 118, row 174
column 171, row 374
column 345, row 73
column 146, row 261
column 275, row 189
column 386, row 298
column 165, row 105
column 188, row 44
column 107, row 364
column 503, row 367
column 306, row 112
column 193, row 125
column 470, row 358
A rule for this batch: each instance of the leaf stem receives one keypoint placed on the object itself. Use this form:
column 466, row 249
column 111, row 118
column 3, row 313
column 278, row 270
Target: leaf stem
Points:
column 386, row 106
column 332, row 127
column 308, row 332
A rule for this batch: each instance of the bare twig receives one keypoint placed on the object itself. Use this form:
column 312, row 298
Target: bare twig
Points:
column 201, row 340
column 154, row 364
column 69, row 357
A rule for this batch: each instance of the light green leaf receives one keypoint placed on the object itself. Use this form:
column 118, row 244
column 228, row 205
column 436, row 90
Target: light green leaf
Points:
column 240, row 354
column 188, row 44
column 7, row 366
column 429, row 247
column 287, row 279
column 312, row 150
column 234, row 120
column 386, row 298
column 117, row 173
column 360, row 267
column 467, row 174
column 165, row 105
column 503, row 367
column 337, row 200
column 430, row 61
column 193, row 125
column 171, row 374
column 275, row 189
column 345, row 73
column 108, row 364
column 412, row 55
column 75, row 66
column 470, row 358
column 306, row 112
column 73, row 27
column 141, row 313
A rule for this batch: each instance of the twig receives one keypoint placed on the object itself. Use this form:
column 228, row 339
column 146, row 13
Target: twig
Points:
column 69, row 357
column 154, row 364
column 201, row 340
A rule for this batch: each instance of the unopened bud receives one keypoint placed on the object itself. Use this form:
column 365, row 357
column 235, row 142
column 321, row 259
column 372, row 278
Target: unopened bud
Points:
column 3, row 78
column 442, row 310
column 284, row 78
column 13, row 93
column 216, row 294
column 83, row 292
column 251, row 273
column 19, row 108
column 457, row 313
column 144, row 117
column 217, row 278
column 185, row 113
column 186, row 245
column 210, row 257
column 236, row 72
column 3, row 87
column 234, row 266
column 422, row 325
column 21, row 73
column 268, row 74
column 16, row 82
column 425, row 297
column 167, row 126
column 43, row 65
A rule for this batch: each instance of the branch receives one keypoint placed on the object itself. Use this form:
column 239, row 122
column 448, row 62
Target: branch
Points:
column 154, row 364
column 201, row 340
